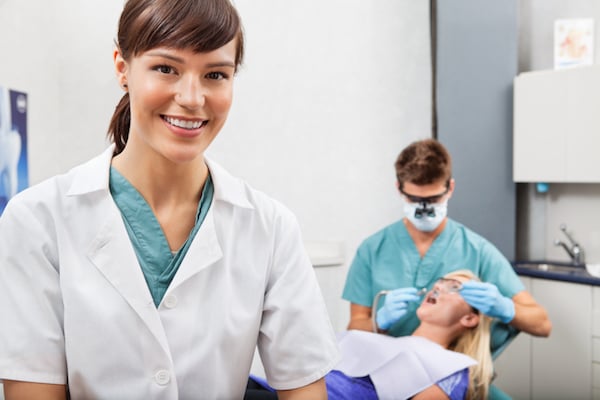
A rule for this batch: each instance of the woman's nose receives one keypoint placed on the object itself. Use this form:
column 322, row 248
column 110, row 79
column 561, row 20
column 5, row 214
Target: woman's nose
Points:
column 190, row 94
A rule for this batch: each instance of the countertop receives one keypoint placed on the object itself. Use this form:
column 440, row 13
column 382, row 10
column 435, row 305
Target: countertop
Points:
column 575, row 274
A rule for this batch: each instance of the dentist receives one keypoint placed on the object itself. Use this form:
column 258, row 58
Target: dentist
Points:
column 424, row 245
column 150, row 272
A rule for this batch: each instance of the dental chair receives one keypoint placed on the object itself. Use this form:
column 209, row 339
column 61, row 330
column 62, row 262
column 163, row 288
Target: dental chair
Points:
column 501, row 336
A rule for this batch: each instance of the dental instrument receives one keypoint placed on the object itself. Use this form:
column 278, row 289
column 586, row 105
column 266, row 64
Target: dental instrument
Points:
column 374, row 307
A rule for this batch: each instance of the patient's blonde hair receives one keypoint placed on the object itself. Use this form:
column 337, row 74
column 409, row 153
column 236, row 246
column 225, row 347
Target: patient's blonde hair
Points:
column 475, row 343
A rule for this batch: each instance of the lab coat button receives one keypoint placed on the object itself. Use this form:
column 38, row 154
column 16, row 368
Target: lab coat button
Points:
column 171, row 301
column 162, row 377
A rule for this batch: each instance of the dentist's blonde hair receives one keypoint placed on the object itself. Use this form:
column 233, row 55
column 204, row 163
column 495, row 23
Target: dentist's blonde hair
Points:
column 475, row 342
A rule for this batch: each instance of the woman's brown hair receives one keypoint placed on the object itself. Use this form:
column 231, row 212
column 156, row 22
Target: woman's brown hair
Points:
column 200, row 25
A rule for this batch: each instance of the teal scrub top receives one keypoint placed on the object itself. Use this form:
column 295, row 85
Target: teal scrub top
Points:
column 159, row 264
column 389, row 260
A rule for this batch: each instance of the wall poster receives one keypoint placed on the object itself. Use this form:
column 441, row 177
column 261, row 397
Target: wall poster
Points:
column 573, row 42
column 13, row 144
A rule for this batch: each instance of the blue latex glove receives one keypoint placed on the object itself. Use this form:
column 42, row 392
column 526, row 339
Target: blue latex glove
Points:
column 396, row 303
column 487, row 299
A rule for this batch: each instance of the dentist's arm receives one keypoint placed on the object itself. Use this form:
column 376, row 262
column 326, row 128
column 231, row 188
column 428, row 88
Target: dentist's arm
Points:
column 522, row 311
column 530, row 317
column 360, row 318
column 17, row 390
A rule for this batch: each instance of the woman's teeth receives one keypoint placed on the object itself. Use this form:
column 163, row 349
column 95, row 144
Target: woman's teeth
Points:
column 185, row 124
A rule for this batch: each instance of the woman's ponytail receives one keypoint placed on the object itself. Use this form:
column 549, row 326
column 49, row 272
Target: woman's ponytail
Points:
column 118, row 130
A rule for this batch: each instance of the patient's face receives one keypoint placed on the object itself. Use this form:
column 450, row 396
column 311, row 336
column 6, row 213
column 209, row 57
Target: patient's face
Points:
column 443, row 305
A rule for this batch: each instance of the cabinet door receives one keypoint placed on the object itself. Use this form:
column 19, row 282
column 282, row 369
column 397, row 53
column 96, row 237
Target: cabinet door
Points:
column 583, row 131
column 562, row 363
column 557, row 126
column 596, row 343
column 540, row 134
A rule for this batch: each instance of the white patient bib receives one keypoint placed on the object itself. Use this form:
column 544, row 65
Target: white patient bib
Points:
column 399, row 367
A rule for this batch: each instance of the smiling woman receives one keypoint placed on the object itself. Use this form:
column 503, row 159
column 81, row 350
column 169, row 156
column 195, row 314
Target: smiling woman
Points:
column 183, row 268
column 180, row 100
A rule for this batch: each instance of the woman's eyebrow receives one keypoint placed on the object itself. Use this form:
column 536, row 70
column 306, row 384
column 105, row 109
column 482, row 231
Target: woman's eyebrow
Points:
column 181, row 60
column 221, row 64
column 166, row 55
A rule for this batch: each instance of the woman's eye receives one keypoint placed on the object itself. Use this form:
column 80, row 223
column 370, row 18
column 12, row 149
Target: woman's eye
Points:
column 216, row 75
column 164, row 69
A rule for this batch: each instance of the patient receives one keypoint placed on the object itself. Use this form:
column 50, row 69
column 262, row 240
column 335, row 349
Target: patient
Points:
column 447, row 357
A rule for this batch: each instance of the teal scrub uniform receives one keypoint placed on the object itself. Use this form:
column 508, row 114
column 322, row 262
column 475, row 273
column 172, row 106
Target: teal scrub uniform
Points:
column 389, row 260
column 159, row 264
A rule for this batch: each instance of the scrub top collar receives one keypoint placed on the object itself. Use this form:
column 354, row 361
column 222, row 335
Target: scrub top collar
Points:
column 88, row 180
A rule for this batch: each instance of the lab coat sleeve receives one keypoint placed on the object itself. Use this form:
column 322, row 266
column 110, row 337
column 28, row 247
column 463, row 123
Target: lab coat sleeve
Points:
column 31, row 310
column 296, row 341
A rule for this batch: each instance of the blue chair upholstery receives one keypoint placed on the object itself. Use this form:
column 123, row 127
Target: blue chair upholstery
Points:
column 501, row 336
column 496, row 394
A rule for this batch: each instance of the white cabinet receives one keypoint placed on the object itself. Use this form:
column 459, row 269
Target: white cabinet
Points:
column 556, row 132
column 558, row 367
column 596, row 343
column 562, row 364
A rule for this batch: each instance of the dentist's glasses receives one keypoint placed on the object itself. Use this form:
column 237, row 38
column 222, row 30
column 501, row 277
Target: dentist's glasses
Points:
column 429, row 199
column 425, row 207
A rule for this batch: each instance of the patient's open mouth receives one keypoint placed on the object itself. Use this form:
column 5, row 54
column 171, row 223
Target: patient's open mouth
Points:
column 432, row 297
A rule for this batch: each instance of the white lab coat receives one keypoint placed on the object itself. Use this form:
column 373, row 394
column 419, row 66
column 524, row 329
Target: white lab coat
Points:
column 75, row 307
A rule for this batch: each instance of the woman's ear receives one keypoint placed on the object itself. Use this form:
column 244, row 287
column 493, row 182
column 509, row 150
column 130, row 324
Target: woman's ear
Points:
column 120, row 68
column 470, row 320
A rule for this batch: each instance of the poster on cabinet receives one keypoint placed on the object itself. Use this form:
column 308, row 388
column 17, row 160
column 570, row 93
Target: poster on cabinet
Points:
column 573, row 42
column 13, row 144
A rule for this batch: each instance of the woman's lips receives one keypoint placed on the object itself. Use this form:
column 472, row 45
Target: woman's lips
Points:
column 182, row 123
column 187, row 128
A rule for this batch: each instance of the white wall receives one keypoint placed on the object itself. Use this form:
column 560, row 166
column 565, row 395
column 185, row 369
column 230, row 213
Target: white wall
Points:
column 59, row 53
column 329, row 94
column 29, row 64
column 86, row 79
column 331, row 91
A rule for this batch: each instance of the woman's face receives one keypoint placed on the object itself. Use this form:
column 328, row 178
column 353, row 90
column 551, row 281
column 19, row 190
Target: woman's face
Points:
column 179, row 99
column 443, row 305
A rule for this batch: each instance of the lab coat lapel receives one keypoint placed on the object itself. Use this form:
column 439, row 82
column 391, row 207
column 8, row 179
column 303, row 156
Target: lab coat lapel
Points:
column 204, row 251
column 112, row 253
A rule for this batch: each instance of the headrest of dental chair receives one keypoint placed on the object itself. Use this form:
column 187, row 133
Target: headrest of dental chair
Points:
column 501, row 336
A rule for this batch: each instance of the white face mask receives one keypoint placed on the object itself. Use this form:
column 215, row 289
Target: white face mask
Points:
column 426, row 219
